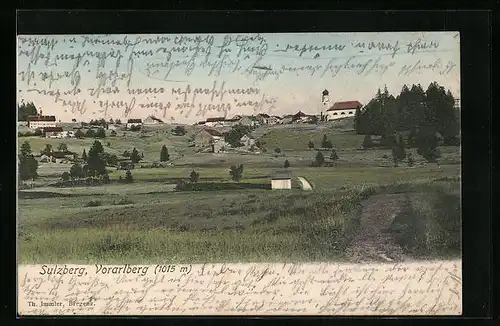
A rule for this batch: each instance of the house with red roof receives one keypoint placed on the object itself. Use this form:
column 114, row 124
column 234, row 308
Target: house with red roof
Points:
column 41, row 121
column 341, row 110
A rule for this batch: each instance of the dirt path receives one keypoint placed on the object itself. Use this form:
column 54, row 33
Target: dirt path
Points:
column 305, row 184
column 374, row 243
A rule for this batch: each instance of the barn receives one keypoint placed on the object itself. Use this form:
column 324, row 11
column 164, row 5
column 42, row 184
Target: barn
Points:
column 281, row 180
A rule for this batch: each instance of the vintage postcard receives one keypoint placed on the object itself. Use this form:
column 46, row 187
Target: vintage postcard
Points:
column 239, row 174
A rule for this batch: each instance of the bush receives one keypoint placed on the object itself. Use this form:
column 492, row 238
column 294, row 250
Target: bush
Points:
column 236, row 172
column 94, row 203
column 65, row 176
column 326, row 143
column 319, row 159
column 367, row 141
column 194, row 176
column 128, row 177
column 411, row 161
column 123, row 201
column 179, row 131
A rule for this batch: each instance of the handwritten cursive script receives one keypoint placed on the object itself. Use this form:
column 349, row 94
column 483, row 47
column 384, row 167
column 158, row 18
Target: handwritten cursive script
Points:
column 192, row 76
column 427, row 288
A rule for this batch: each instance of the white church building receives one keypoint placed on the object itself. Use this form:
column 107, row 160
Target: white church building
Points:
column 339, row 110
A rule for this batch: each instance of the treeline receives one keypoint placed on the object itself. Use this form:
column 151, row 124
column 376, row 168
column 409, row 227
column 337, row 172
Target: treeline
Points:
column 421, row 113
column 24, row 110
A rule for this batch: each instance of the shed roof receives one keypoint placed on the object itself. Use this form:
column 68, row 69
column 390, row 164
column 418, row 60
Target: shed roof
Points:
column 281, row 175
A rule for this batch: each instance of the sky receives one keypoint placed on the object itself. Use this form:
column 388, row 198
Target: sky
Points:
column 185, row 78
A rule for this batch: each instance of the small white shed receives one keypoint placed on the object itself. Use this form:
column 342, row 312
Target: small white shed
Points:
column 281, row 180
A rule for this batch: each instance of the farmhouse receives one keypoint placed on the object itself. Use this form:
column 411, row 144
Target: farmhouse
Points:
column 274, row 119
column 248, row 121
column 52, row 132
column 263, row 118
column 247, row 141
column 281, row 180
column 207, row 137
column 134, row 123
column 41, row 121
column 214, row 122
column 287, row 119
column 219, row 146
column 341, row 110
column 300, row 117
column 152, row 120
column 231, row 122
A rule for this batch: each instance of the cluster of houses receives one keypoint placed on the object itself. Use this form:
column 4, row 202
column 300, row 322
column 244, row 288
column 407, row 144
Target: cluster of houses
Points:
column 339, row 110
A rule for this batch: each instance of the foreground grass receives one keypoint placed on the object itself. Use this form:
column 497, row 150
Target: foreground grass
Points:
column 286, row 227
column 241, row 226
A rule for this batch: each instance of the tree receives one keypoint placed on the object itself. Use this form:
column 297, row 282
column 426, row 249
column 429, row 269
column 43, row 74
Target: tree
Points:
column 128, row 177
column 236, row 172
column 179, row 131
column 260, row 144
column 334, row 156
column 111, row 160
column 96, row 160
column 326, row 143
column 126, row 153
column 358, row 122
column 135, row 156
column 367, row 141
column 401, row 147
column 118, row 122
column 25, row 110
column 310, row 144
column 79, row 134
column 398, row 151
column 319, row 159
column 28, row 165
column 47, row 150
column 234, row 135
column 113, row 133
column 111, row 121
column 65, row 176
column 411, row 161
column 84, row 155
column 90, row 133
column 287, row 164
column 100, row 133
column 313, row 120
column 76, row 171
column 135, row 128
column 62, row 148
column 194, row 176
column 106, row 179
column 164, row 156
column 427, row 145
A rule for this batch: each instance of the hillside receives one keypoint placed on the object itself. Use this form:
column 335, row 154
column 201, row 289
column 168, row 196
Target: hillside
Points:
column 297, row 137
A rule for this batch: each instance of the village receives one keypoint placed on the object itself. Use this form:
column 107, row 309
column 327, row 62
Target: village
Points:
column 209, row 136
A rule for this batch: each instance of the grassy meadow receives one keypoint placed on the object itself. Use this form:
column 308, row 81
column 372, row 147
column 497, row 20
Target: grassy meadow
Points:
column 149, row 222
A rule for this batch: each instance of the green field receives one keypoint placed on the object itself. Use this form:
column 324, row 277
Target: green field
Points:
column 148, row 221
